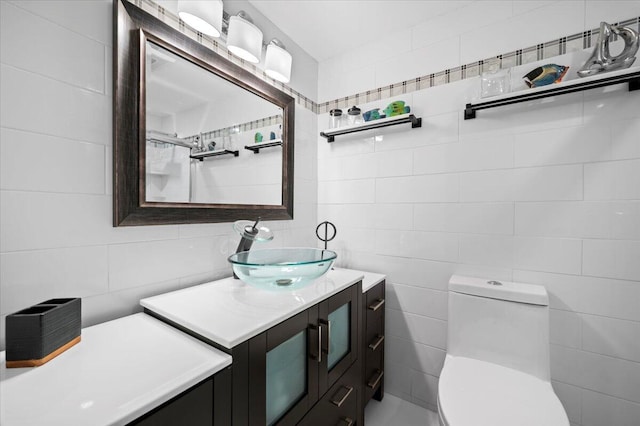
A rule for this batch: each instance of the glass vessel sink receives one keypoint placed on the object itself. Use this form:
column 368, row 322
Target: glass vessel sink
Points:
column 281, row 268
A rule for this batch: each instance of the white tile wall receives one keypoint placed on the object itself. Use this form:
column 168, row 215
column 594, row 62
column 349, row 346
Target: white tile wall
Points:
column 615, row 180
column 57, row 237
column 599, row 409
column 40, row 104
column 49, row 49
column 544, row 192
column 63, row 165
column 560, row 18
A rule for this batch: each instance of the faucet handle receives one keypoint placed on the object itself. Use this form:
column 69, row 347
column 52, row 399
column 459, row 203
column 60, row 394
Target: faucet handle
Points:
column 250, row 230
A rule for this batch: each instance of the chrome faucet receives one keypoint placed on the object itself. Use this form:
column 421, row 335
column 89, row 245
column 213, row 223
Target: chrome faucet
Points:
column 248, row 234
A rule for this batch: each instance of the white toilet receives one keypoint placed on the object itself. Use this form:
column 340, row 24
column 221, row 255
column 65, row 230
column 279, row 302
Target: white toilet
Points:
column 496, row 372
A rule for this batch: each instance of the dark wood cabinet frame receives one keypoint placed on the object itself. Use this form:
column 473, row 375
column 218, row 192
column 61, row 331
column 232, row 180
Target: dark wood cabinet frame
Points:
column 132, row 27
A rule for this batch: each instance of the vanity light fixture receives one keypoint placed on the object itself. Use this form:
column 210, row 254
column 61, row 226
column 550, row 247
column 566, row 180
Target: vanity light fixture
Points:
column 201, row 15
column 244, row 39
column 278, row 61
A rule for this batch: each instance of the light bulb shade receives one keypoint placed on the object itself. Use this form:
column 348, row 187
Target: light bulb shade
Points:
column 278, row 63
column 244, row 39
column 202, row 15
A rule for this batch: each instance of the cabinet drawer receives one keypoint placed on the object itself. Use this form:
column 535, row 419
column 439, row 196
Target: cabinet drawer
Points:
column 374, row 329
column 339, row 406
column 375, row 304
column 373, row 373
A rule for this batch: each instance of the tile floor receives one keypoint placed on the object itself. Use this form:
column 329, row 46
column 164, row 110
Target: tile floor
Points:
column 393, row 411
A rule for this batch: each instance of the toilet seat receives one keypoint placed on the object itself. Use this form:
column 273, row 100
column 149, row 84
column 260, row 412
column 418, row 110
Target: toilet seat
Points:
column 479, row 393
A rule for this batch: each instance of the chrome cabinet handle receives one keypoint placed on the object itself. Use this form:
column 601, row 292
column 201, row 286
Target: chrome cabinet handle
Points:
column 373, row 383
column 374, row 307
column 344, row 397
column 346, row 421
column 373, row 346
column 319, row 343
column 327, row 324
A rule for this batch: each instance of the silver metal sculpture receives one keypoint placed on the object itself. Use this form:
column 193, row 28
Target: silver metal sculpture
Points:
column 601, row 59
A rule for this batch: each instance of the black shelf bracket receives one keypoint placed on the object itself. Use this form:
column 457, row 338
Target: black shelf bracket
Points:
column 201, row 156
column 376, row 124
column 633, row 78
column 256, row 148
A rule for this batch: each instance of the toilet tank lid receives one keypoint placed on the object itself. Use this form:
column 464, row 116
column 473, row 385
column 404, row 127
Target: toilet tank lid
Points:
column 502, row 290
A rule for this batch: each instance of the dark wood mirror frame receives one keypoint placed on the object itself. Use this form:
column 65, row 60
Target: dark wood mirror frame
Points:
column 132, row 27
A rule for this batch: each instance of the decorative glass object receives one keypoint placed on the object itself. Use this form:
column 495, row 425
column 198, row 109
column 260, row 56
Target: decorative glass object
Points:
column 495, row 82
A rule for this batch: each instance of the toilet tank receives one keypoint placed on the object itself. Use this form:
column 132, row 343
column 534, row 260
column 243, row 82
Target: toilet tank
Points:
column 504, row 323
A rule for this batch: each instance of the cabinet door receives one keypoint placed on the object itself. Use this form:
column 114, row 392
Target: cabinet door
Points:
column 283, row 376
column 338, row 326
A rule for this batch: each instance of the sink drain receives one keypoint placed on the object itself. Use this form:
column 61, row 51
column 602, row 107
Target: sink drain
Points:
column 284, row 281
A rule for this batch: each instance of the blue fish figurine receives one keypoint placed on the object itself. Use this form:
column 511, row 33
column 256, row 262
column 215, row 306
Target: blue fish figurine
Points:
column 546, row 74
column 373, row 114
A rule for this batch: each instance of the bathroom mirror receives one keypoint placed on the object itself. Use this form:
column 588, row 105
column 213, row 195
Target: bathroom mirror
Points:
column 196, row 138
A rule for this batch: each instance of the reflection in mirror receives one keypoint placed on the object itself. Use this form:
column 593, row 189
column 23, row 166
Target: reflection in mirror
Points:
column 197, row 127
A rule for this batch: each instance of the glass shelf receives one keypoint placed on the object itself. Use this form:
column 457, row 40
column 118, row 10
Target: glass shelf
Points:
column 215, row 153
column 266, row 144
column 630, row 75
column 374, row 124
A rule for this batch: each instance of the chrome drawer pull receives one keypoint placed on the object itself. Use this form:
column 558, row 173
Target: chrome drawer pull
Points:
column 373, row 383
column 373, row 346
column 377, row 305
column 346, row 421
column 344, row 398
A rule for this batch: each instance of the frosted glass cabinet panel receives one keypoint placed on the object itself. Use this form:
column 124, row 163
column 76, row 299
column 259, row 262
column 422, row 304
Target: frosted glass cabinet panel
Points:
column 339, row 333
column 286, row 375
column 338, row 318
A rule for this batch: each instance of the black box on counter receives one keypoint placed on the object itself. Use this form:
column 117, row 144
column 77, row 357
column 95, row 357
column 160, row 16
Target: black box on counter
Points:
column 40, row 333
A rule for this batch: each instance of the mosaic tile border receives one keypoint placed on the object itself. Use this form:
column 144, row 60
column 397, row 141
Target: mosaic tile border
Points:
column 523, row 56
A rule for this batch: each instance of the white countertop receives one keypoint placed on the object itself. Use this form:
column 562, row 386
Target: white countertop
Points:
column 120, row 370
column 229, row 311
column 369, row 279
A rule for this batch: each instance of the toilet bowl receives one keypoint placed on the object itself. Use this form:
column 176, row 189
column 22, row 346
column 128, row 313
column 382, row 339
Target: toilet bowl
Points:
column 496, row 371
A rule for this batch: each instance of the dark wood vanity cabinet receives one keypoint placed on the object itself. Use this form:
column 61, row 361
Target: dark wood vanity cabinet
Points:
column 206, row 404
column 305, row 370
column 373, row 343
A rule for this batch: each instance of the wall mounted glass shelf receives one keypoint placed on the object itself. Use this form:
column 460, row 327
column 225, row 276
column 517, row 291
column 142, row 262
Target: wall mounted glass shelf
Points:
column 266, row 144
column 631, row 76
column 375, row 124
column 215, row 153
